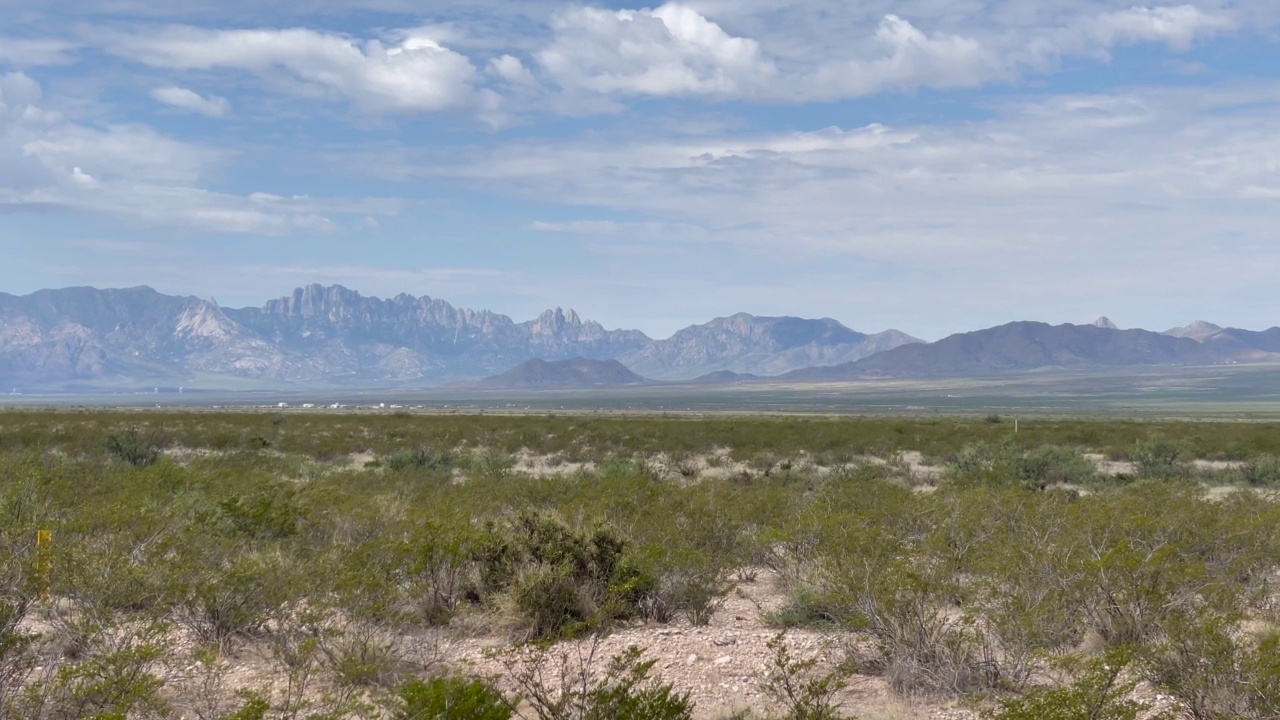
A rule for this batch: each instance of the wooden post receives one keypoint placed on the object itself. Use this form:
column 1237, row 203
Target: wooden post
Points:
column 44, row 562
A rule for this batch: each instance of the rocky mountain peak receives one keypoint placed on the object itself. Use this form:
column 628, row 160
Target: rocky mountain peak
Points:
column 1198, row 331
column 1105, row 323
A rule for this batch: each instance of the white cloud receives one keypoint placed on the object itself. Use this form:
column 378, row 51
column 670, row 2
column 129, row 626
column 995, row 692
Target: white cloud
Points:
column 908, row 59
column 670, row 50
column 19, row 94
column 179, row 97
column 1073, row 178
column 510, row 69
column 674, row 50
column 134, row 172
column 415, row 75
column 83, row 178
column 1178, row 26
column 34, row 52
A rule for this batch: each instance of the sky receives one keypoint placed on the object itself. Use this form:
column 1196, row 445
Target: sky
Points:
column 934, row 166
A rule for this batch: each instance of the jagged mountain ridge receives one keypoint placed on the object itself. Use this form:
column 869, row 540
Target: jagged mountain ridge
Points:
column 751, row 345
column 85, row 338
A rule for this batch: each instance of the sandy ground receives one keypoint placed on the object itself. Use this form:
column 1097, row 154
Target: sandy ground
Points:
column 722, row 664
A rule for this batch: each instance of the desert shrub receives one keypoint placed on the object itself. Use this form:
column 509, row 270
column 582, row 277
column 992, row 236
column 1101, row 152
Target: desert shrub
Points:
column 550, row 601
column 489, row 464
column 800, row 687
column 565, row 688
column 132, row 448
column 362, row 655
column 1053, row 465
column 687, row 584
column 692, row 549
column 804, row 608
column 271, row 512
column 622, row 468
column 1098, row 692
column 1006, row 464
column 16, row 660
column 1261, row 471
column 562, row 581
column 440, row 563
column 111, row 684
column 1159, row 457
column 1213, row 668
column 450, row 698
column 239, row 596
column 904, row 603
column 420, row 458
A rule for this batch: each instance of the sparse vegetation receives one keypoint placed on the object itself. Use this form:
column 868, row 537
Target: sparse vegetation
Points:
column 184, row 543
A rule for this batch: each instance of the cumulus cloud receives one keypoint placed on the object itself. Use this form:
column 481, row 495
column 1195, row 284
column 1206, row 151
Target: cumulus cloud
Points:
column 417, row 74
column 673, row 50
column 670, row 50
column 908, row 59
column 212, row 106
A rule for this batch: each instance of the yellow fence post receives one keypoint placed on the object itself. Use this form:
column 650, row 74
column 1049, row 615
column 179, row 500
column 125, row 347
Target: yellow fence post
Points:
column 44, row 562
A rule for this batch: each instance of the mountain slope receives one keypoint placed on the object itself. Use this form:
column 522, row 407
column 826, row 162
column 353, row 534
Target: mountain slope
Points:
column 1244, row 345
column 1019, row 346
column 747, row 344
column 564, row 374
column 84, row 334
column 1198, row 330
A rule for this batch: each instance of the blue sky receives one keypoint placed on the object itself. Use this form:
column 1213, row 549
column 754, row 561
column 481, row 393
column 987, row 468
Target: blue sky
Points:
column 926, row 165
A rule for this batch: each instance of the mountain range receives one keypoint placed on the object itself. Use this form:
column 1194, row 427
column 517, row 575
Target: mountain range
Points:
column 85, row 338
column 82, row 339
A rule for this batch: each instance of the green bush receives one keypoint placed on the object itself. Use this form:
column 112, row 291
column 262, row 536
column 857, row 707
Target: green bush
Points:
column 1159, row 457
column 624, row 689
column 1261, row 471
column 419, row 459
column 562, row 581
column 132, row 448
column 1099, row 692
column 1006, row 464
column 1054, row 465
column 798, row 686
column 450, row 698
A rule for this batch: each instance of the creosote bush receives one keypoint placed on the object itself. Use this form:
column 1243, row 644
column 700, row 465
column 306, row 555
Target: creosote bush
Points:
column 584, row 686
column 450, row 698
column 132, row 448
column 803, row 690
column 1100, row 690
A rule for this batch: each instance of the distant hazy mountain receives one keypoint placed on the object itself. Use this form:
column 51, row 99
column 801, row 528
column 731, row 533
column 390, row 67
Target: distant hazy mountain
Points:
column 1105, row 323
column 1232, row 344
column 1198, row 330
column 564, row 374
column 724, row 377
column 341, row 333
column 757, row 345
column 1021, row 346
column 82, row 338
column 84, row 335
column 1245, row 345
